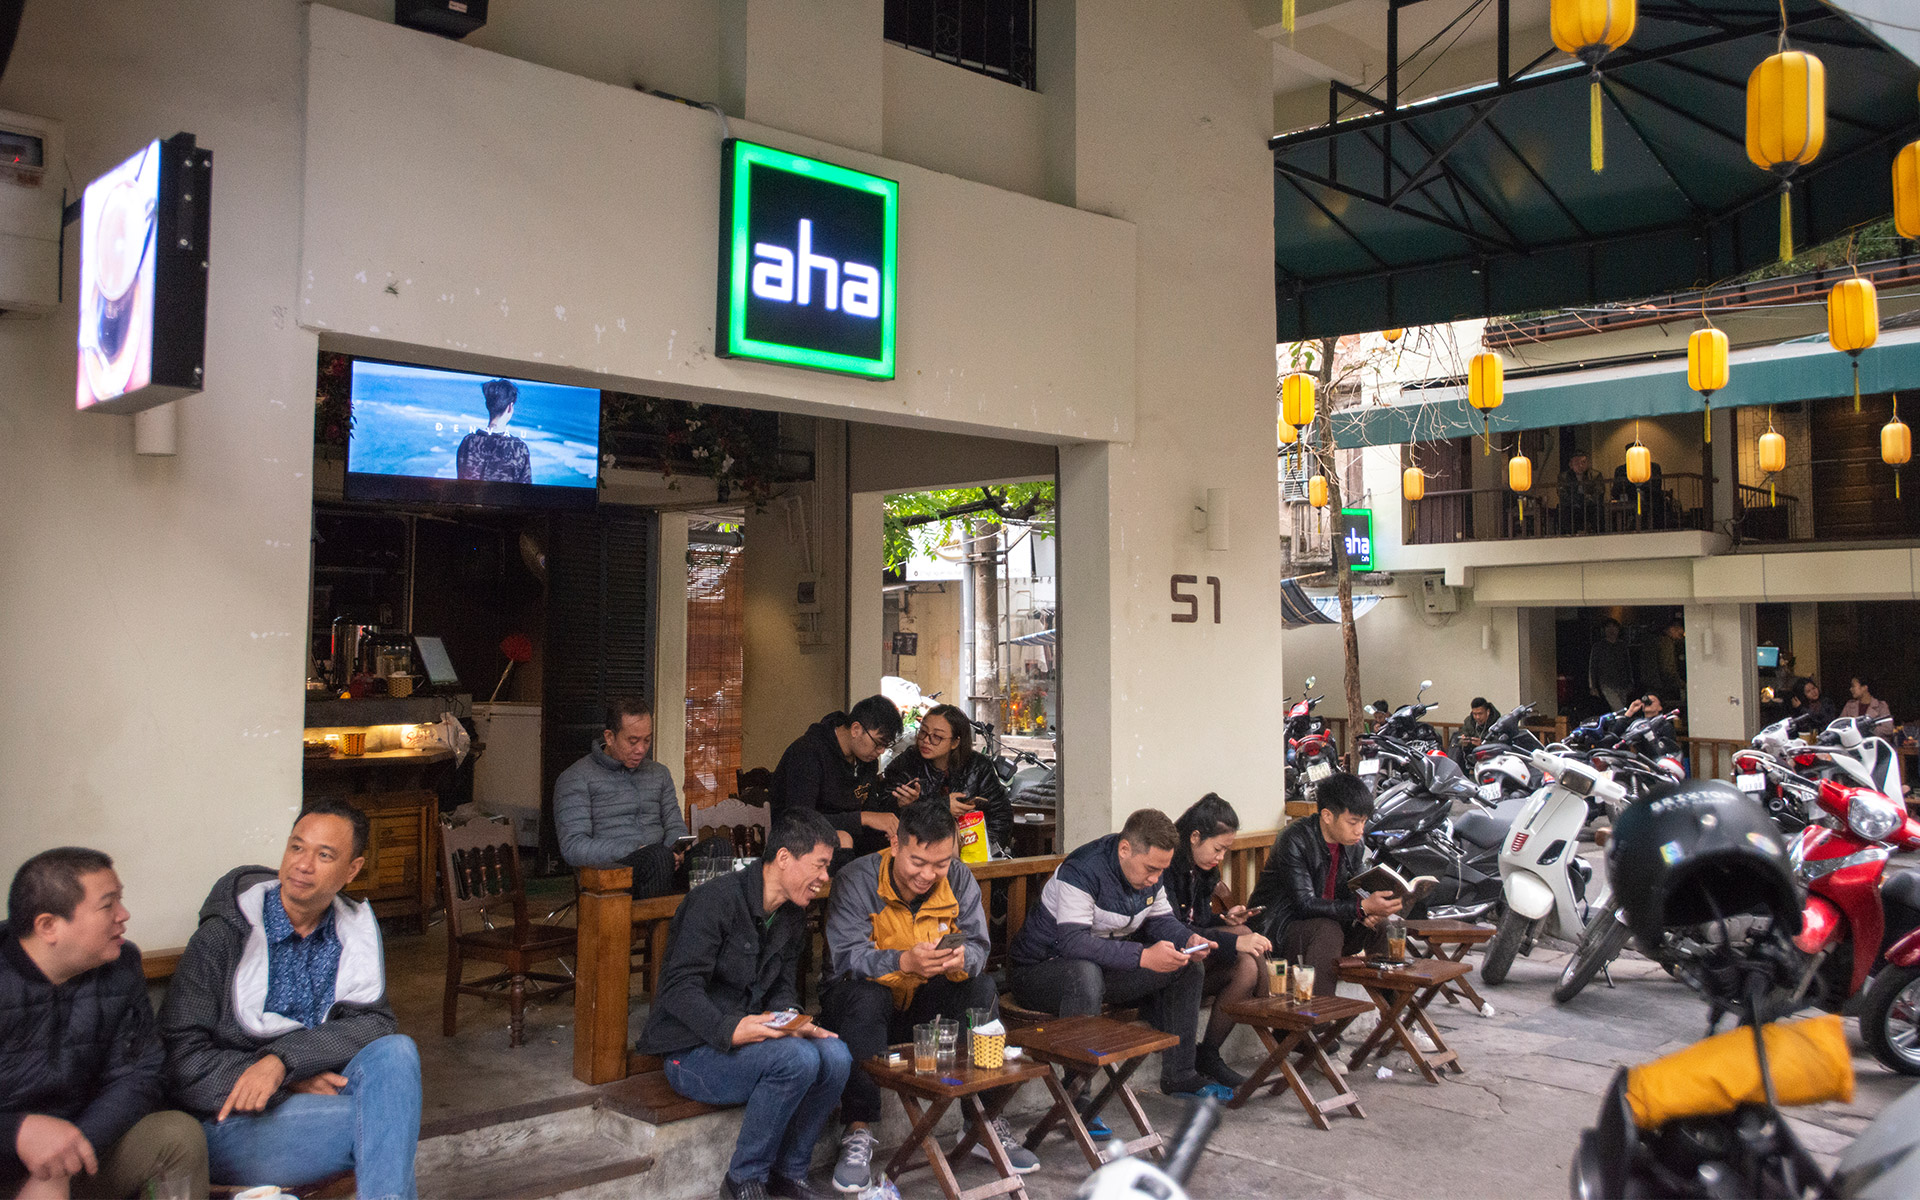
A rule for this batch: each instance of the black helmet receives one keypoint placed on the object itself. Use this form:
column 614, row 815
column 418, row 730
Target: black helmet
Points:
column 1690, row 851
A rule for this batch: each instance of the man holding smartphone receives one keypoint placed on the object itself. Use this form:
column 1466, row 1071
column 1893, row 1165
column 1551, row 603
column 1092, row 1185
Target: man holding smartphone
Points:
column 906, row 942
column 617, row 807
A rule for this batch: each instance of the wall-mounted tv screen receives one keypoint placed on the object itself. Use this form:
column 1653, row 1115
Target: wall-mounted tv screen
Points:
column 450, row 437
column 1769, row 657
column 143, row 279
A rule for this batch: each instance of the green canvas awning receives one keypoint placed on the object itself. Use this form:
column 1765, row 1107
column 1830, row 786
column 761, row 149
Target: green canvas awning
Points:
column 1482, row 202
column 1786, row 373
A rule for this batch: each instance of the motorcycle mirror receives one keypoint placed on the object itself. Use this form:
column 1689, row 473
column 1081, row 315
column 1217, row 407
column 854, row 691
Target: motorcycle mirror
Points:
column 1310, row 682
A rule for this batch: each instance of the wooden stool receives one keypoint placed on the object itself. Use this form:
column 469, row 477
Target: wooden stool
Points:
column 1394, row 991
column 1308, row 1027
column 963, row 1083
column 1461, row 936
column 1082, row 1047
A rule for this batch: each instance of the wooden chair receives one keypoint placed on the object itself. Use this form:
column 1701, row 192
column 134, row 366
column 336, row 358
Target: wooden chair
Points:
column 480, row 867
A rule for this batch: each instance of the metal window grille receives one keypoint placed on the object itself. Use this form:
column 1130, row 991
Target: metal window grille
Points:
column 991, row 37
column 1296, row 468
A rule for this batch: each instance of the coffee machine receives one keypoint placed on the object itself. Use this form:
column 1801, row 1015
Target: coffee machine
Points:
column 353, row 649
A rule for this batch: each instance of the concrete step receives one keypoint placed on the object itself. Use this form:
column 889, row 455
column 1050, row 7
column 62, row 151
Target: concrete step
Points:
column 570, row 1147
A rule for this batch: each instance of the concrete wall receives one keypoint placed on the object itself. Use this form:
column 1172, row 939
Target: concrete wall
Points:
column 1400, row 645
column 153, row 611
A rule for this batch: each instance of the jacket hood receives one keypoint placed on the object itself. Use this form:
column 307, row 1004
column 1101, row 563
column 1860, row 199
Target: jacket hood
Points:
column 224, row 900
column 823, row 729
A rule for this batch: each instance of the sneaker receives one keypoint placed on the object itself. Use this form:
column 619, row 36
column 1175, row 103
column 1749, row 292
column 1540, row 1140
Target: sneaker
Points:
column 854, row 1171
column 793, row 1189
column 742, row 1189
column 1209, row 1063
column 1024, row 1161
column 1194, row 1087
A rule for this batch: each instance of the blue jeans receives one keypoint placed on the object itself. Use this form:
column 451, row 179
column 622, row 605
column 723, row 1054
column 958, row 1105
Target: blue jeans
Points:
column 371, row 1128
column 789, row 1085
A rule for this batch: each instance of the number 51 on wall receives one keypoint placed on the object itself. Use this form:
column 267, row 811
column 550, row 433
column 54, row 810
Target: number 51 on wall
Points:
column 1192, row 615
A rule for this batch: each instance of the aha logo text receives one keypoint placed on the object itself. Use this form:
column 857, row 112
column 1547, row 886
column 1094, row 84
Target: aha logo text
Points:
column 1359, row 547
column 851, row 287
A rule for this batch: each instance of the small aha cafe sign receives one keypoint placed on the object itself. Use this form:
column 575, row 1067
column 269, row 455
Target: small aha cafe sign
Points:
column 1356, row 529
column 807, row 262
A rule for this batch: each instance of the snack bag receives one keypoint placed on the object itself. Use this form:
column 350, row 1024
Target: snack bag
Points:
column 973, row 838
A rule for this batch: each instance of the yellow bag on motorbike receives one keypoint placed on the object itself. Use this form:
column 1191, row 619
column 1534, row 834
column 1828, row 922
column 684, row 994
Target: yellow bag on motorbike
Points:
column 973, row 838
column 1809, row 1061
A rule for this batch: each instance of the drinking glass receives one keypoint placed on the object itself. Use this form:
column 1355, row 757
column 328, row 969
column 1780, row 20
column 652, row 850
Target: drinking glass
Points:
column 1276, row 976
column 1397, row 938
column 949, row 1044
column 926, row 1048
column 1302, row 984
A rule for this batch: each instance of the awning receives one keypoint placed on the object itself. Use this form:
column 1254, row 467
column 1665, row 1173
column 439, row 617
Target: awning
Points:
column 1482, row 202
column 1045, row 637
column 1780, row 374
column 1298, row 609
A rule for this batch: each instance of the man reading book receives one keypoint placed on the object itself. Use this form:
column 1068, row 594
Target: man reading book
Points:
column 1313, row 914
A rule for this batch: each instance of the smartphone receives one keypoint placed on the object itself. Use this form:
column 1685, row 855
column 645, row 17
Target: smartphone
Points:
column 952, row 941
column 1190, row 949
column 1254, row 912
column 682, row 844
column 790, row 1020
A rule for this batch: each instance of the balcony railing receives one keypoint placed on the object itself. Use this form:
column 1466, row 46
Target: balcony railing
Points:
column 1674, row 501
column 1765, row 517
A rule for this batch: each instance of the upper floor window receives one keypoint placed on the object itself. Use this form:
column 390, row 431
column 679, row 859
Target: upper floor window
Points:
column 992, row 37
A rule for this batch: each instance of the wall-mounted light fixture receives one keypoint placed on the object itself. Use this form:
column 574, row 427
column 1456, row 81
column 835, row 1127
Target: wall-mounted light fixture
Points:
column 1212, row 519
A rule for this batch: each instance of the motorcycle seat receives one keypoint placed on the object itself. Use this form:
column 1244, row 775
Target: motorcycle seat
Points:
column 1480, row 829
column 1902, row 887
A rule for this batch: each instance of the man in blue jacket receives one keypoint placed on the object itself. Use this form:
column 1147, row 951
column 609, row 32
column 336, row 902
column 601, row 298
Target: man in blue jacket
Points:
column 617, row 808
column 1104, row 933
column 80, row 1063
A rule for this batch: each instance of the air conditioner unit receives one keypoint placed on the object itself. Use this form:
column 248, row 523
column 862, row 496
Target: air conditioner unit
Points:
column 1437, row 597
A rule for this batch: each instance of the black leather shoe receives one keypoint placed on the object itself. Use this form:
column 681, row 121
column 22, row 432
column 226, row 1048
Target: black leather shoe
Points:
column 795, row 1189
column 742, row 1189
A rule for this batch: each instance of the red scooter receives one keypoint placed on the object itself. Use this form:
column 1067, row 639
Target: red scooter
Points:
column 1862, row 924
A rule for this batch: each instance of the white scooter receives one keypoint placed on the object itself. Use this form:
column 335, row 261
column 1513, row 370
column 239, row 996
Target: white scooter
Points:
column 1542, row 874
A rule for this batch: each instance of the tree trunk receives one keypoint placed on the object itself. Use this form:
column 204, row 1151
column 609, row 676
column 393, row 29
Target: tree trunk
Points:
column 983, row 578
column 1343, row 578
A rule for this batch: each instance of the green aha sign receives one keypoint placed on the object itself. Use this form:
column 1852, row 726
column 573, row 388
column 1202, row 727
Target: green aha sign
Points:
column 808, row 252
column 1356, row 529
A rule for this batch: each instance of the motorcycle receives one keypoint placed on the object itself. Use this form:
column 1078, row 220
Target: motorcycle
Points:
column 1385, row 753
column 1414, row 831
column 1311, row 754
column 1502, row 766
column 1030, row 779
column 1543, row 877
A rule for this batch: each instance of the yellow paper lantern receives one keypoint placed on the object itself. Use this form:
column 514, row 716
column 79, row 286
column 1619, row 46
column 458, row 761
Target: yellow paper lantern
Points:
column 1394, row 335
column 1772, row 452
column 1896, row 445
column 1288, row 434
column 1317, row 491
column 1486, row 388
column 1589, row 30
column 1639, row 463
column 1906, row 191
column 1296, row 400
column 1413, row 484
column 1520, row 473
column 1853, row 322
column 1707, row 368
column 1786, row 123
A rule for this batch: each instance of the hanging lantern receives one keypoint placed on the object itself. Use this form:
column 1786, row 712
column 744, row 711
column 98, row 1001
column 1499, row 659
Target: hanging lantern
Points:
column 1786, row 122
column 1520, row 479
column 1896, row 445
column 1906, row 191
column 1413, row 484
column 1394, row 335
column 1296, row 400
column 1639, row 466
column 1287, row 433
column 1317, row 491
column 1707, row 369
column 1853, row 322
column 1486, row 388
column 1589, row 30
column 1772, row 455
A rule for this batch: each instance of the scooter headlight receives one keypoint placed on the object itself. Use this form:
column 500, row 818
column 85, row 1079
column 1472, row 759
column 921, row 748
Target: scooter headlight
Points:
column 1872, row 817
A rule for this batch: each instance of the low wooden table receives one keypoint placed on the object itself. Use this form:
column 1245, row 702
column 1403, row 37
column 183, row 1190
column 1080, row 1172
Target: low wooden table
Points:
column 1309, row 1027
column 1461, row 936
column 1083, row 1047
column 939, row 1091
column 1394, row 991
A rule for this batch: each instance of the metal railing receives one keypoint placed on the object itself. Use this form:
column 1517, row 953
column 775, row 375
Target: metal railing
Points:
column 989, row 37
column 1672, row 501
column 1765, row 516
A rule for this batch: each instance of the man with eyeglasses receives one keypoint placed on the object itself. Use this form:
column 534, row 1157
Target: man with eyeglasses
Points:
column 833, row 769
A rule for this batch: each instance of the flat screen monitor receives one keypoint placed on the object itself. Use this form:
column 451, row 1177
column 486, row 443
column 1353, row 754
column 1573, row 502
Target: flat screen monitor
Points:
column 433, row 656
column 1769, row 657
column 426, row 434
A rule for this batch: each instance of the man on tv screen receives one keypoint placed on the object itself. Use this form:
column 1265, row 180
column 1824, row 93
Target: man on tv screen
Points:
column 492, row 454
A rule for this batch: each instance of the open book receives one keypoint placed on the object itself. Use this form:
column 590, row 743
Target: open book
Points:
column 1382, row 878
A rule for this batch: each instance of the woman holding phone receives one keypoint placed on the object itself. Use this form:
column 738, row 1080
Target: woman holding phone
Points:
column 1206, row 833
column 944, row 764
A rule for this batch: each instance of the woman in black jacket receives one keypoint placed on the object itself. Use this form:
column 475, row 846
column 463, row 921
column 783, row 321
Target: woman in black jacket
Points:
column 1206, row 836
column 944, row 763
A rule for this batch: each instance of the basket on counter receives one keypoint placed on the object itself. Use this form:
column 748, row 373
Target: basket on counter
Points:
column 353, row 745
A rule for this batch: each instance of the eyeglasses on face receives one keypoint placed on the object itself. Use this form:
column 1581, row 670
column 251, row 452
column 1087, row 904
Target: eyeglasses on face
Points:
column 933, row 737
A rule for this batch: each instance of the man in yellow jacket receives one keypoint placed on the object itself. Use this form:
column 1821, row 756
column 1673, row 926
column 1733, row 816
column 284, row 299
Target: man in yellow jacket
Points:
column 886, row 971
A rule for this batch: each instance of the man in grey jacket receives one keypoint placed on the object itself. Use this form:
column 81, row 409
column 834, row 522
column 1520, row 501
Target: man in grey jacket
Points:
column 617, row 808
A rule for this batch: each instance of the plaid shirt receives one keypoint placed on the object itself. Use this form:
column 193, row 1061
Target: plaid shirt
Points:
column 300, row 970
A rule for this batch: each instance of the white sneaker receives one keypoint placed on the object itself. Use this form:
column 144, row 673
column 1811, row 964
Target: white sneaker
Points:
column 854, row 1171
column 1023, row 1160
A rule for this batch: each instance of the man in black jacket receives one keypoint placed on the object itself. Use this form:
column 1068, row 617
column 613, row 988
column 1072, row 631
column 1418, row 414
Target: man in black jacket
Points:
column 1313, row 916
column 831, row 769
column 278, row 1033
column 79, row 1059
column 727, row 991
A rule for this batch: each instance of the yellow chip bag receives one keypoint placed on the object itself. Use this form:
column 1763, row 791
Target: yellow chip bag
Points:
column 973, row 837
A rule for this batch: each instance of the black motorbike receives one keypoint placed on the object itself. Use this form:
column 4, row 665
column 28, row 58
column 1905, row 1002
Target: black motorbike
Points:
column 1381, row 757
column 1414, row 830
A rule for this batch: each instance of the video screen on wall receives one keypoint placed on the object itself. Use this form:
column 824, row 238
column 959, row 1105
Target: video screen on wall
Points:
column 451, row 437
